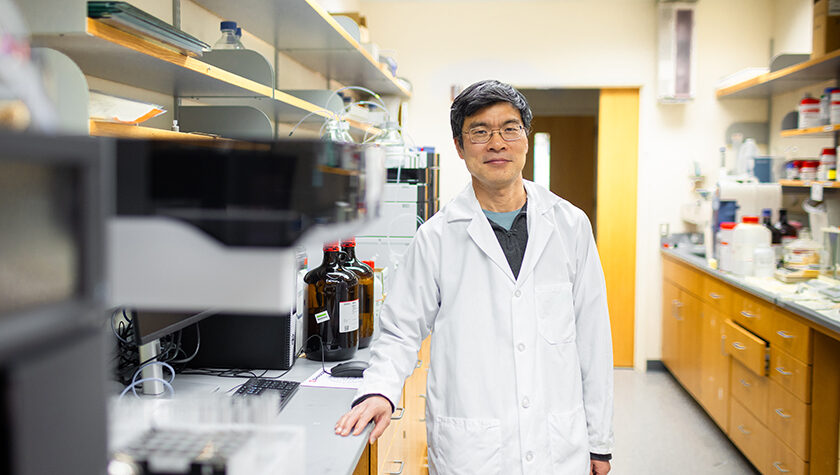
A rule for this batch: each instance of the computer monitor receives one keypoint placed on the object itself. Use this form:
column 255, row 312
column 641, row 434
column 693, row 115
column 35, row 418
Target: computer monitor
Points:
column 52, row 359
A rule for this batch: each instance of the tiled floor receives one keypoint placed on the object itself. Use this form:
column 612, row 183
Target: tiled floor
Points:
column 660, row 429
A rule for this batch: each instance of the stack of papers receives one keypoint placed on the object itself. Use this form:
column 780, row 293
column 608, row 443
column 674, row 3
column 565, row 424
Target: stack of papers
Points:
column 119, row 109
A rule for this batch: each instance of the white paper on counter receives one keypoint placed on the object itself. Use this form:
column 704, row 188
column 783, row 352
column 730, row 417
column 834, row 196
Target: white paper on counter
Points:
column 320, row 379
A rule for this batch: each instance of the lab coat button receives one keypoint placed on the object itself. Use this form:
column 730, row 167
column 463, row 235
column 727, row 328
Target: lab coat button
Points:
column 518, row 293
column 520, row 347
column 529, row 456
column 526, row 403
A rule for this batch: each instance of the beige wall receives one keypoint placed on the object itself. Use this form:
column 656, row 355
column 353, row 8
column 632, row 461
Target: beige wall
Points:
column 577, row 43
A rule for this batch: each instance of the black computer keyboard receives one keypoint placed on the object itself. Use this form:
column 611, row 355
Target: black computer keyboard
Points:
column 256, row 386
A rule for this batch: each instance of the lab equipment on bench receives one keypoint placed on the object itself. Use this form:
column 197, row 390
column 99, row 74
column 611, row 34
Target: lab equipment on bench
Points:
column 213, row 226
column 52, row 364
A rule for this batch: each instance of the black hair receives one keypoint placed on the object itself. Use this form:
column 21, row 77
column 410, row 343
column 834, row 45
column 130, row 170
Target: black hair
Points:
column 482, row 94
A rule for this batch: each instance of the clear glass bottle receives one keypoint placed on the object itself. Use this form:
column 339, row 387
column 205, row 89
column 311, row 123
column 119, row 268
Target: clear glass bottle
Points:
column 392, row 141
column 332, row 309
column 365, row 275
column 228, row 40
column 337, row 131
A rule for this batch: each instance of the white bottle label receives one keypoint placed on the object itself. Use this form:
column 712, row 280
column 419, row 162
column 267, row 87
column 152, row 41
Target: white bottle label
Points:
column 322, row 317
column 348, row 316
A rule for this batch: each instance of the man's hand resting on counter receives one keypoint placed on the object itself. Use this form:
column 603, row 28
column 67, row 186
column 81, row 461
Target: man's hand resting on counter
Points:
column 375, row 408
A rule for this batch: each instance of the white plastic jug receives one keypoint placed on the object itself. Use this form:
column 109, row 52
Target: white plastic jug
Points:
column 747, row 236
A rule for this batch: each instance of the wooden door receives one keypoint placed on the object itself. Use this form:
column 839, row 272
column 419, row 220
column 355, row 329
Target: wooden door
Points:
column 618, row 151
column 573, row 140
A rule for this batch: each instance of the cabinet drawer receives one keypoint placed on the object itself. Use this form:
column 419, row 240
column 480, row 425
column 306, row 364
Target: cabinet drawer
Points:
column 791, row 335
column 790, row 373
column 782, row 460
column 682, row 275
column 748, row 349
column 750, row 389
column 717, row 294
column 748, row 434
column 788, row 418
column 751, row 312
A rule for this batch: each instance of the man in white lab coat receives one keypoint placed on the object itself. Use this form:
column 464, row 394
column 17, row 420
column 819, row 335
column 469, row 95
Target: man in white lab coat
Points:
column 508, row 281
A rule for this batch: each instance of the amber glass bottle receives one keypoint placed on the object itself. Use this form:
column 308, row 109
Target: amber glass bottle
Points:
column 365, row 275
column 332, row 310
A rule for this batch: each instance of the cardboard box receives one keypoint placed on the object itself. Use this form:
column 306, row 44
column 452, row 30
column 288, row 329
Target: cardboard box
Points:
column 826, row 33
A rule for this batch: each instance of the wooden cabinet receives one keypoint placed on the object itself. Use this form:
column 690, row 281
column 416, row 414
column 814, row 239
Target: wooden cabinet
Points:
column 681, row 325
column 757, row 373
column 714, row 367
column 402, row 447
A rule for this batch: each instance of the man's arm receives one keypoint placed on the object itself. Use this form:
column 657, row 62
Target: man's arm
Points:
column 406, row 319
column 594, row 341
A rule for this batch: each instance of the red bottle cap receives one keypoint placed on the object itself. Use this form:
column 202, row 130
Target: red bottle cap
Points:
column 727, row 225
column 829, row 151
column 370, row 264
column 750, row 219
column 348, row 242
column 331, row 247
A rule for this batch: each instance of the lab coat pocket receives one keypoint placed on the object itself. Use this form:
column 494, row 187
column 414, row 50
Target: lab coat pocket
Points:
column 462, row 445
column 556, row 313
column 569, row 442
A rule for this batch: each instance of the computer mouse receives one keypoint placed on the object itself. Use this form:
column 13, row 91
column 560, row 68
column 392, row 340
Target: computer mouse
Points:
column 350, row 369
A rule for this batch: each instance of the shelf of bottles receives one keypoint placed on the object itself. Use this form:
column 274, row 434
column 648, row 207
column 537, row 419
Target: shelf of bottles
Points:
column 821, row 131
column 808, row 184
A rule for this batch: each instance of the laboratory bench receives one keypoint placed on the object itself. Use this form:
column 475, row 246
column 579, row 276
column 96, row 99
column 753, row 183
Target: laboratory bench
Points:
column 315, row 409
column 400, row 450
column 760, row 358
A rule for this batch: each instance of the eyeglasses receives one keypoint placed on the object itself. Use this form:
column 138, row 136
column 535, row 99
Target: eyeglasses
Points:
column 481, row 135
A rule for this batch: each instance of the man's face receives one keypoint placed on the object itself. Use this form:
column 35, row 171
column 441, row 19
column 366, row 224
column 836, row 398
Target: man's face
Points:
column 497, row 163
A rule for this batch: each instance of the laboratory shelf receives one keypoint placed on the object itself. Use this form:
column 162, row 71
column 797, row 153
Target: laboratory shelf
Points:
column 307, row 33
column 108, row 53
column 821, row 131
column 807, row 184
column 103, row 128
column 784, row 80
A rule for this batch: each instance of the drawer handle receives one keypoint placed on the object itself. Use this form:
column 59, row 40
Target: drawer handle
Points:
column 744, row 431
column 402, row 412
column 677, row 306
column 778, row 467
column 745, row 384
column 782, row 414
column 422, row 419
column 782, row 371
column 747, row 314
column 739, row 346
column 715, row 296
column 784, row 334
column 402, row 464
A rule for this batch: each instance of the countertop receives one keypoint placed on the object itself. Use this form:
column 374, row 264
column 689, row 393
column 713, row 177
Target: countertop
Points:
column 826, row 319
column 315, row 409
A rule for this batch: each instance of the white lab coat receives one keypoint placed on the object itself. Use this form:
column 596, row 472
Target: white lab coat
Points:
column 520, row 375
